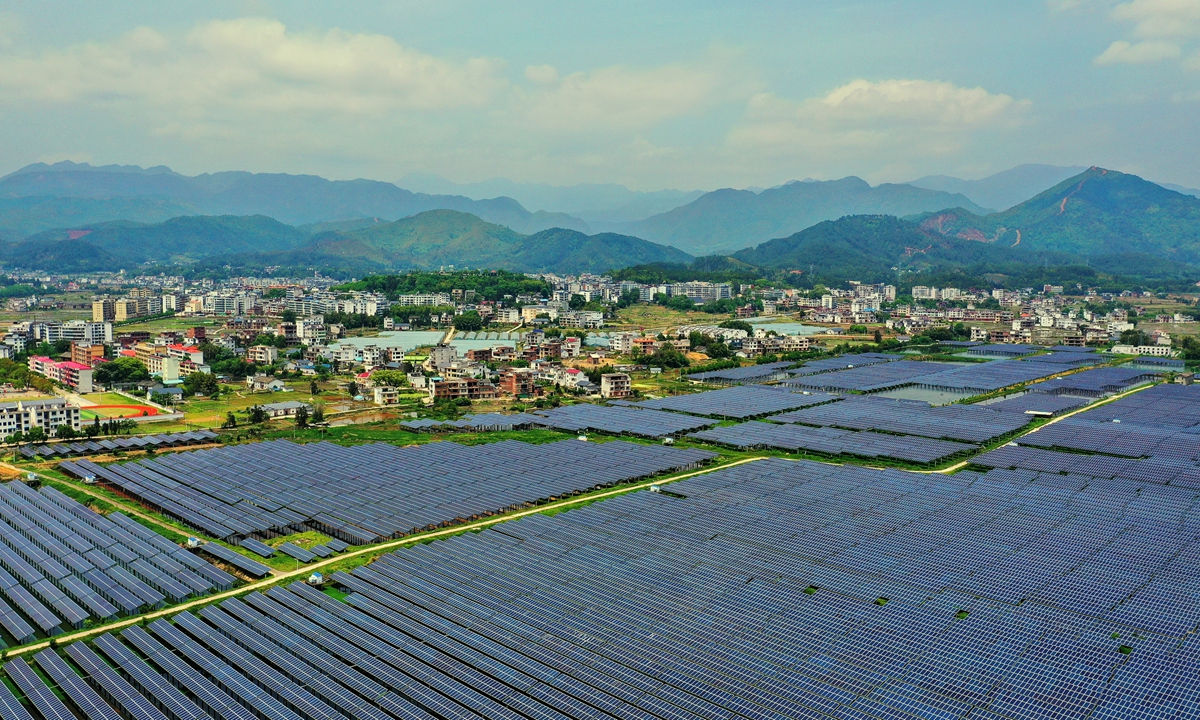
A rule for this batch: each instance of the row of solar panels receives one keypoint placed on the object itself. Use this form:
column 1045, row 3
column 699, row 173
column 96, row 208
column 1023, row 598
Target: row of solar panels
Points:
column 619, row 420
column 834, row 442
column 968, row 423
column 867, row 594
column 740, row 402
column 483, row 422
column 366, row 493
column 1150, row 436
column 62, row 564
column 139, row 442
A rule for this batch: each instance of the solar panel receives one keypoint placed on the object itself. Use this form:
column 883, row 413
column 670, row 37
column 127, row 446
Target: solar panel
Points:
column 362, row 494
column 741, row 402
column 619, row 420
column 742, row 375
column 830, row 441
column 970, row 423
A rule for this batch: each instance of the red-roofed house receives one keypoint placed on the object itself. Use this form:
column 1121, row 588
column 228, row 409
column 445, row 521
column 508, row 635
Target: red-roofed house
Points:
column 71, row 374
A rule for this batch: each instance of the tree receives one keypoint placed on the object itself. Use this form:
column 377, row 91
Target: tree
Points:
column 35, row 434
column 313, row 388
column 629, row 297
column 201, row 384
column 64, row 432
column 878, row 336
column 302, row 417
column 1135, row 337
column 119, row 371
column 230, row 421
column 352, row 388
column 668, row 356
column 318, row 415
column 257, row 415
column 17, row 437
column 391, row 378
column 577, row 302
column 289, row 316
column 469, row 321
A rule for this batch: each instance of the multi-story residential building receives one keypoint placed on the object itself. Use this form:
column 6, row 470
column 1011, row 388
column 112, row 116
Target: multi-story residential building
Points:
column 588, row 319
column 517, row 381
column 86, row 354
column 262, row 355
column 425, row 300
column 76, row 376
column 24, row 415
column 104, row 310
column 615, row 385
column 463, row 387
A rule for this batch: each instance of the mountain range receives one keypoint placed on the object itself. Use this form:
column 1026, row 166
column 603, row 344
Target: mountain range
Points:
column 75, row 217
column 727, row 220
column 428, row 240
column 594, row 203
column 1098, row 212
column 39, row 193
column 1100, row 219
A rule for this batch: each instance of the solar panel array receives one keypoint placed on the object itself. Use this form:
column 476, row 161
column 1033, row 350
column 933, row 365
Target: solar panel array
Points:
column 749, row 374
column 367, row 493
column 1159, row 362
column 619, row 420
column 1036, row 403
column 483, row 422
column 970, row 423
column 773, row 589
column 844, row 362
column 742, row 401
column 871, row 378
column 1013, row 350
column 831, row 441
column 62, row 564
column 974, row 378
column 140, row 442
column 1096, row 382
column 1073, row 359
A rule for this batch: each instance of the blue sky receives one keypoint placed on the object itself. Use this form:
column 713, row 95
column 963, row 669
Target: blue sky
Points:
column 691, row 95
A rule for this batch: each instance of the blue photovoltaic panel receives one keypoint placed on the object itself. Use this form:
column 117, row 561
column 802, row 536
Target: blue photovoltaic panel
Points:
column 619, row 420
column 742, row 375
column 830, row 441
column 969, row 423
column 741, row 401
column 366, row 493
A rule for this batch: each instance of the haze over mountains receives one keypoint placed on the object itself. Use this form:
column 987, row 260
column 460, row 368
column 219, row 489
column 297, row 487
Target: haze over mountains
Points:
column 75, row 217
column 594, row 203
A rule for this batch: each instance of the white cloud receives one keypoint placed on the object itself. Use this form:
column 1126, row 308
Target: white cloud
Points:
column 252, row 64
column 1161, row 18
column 1162, row 28
column 1147, row 51
column 898, row 118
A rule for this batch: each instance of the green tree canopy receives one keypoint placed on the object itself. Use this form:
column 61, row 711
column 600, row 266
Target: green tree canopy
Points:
column 121, row 370
column 469, row 321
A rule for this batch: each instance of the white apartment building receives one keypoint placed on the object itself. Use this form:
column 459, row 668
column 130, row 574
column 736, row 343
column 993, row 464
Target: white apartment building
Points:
column 24, row 415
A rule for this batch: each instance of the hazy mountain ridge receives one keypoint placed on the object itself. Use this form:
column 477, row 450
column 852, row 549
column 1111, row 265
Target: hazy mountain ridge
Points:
column 1003, row 189
column 427, row 240
column 727, row 220
column 292, row 199
column 593, row 202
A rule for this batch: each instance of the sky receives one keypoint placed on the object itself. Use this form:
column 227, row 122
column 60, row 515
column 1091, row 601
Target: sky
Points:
column 652, row 95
